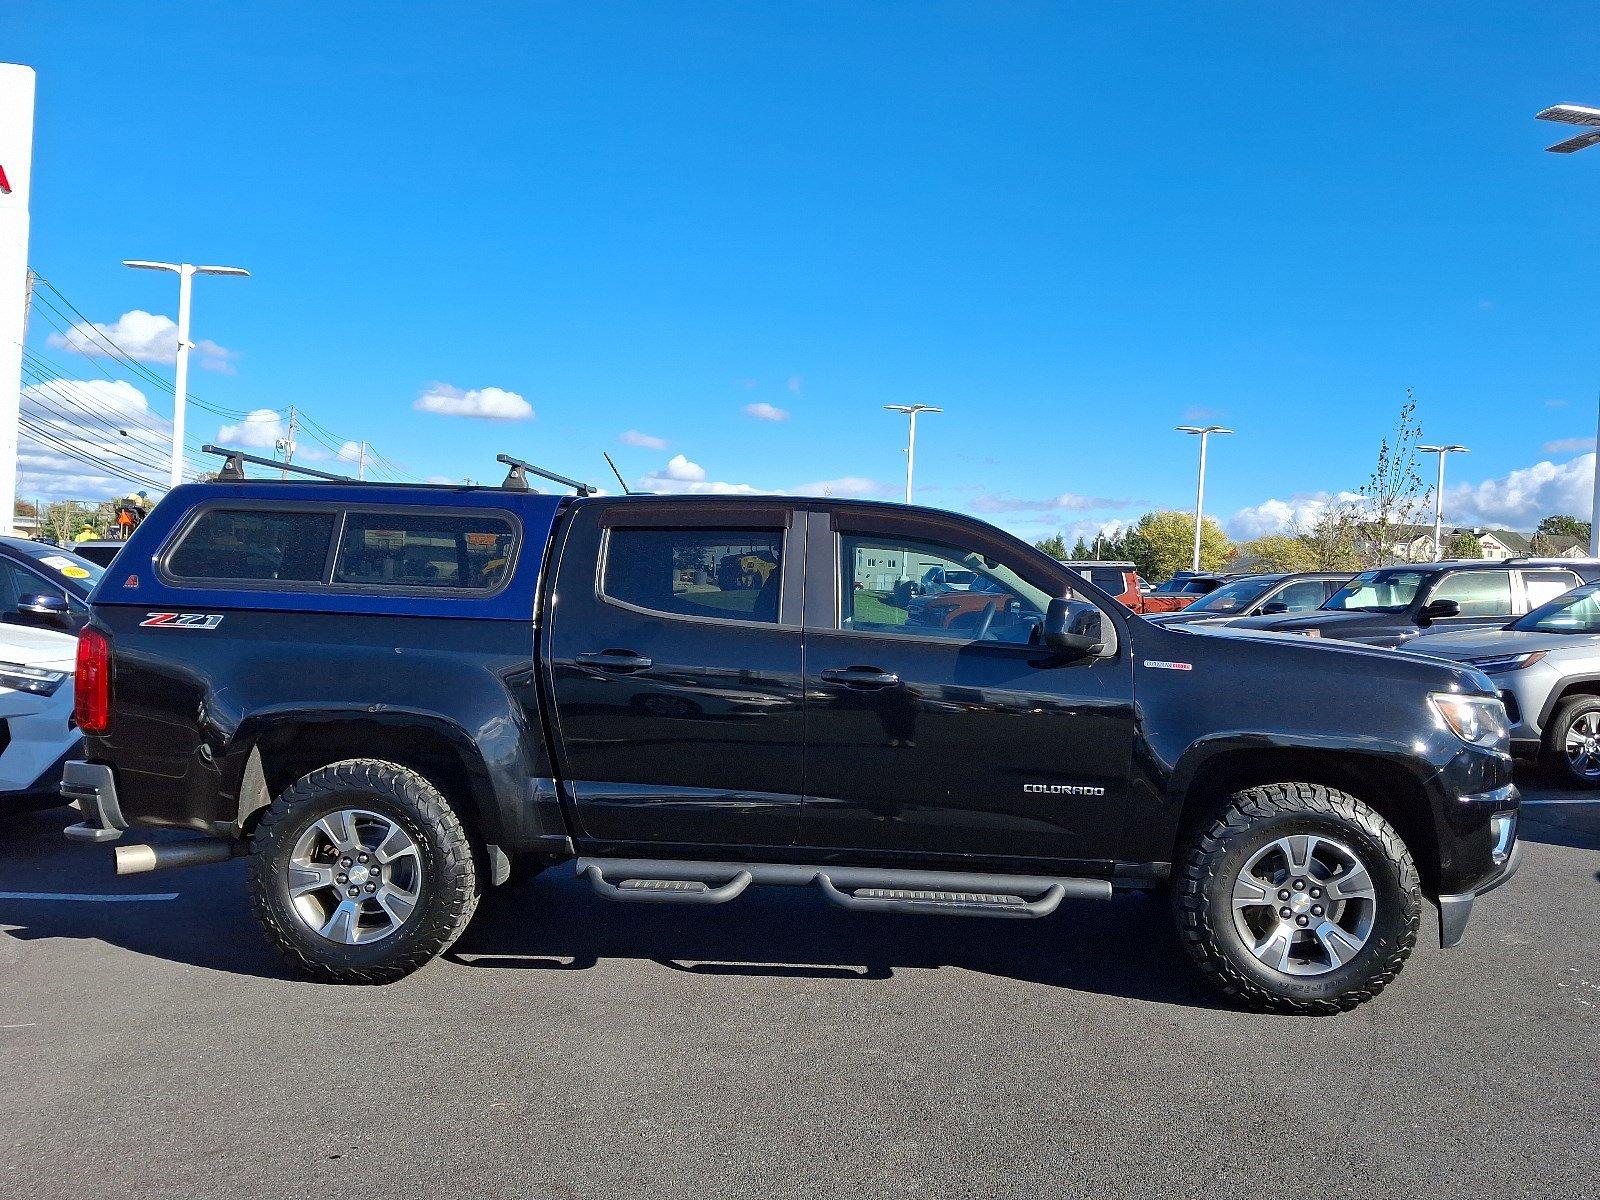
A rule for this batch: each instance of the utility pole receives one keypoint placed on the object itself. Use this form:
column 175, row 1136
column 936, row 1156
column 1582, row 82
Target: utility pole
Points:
column 1200, row 488
column 285, row 444
column 361, row 462
column 16, row 174
column 1438, row 495
column 180, row 389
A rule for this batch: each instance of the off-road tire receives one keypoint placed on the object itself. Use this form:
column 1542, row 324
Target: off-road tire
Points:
column 449, row 889
column 1220, row 845
column 1555, row 755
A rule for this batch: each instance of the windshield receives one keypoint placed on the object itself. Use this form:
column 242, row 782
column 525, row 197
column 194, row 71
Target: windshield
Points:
column 77, row 575
column 1577, row 611
column 1233, row 597
column 1378, row 591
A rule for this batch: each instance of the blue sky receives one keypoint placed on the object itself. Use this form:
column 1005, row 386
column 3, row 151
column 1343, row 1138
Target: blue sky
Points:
column 1071, row 226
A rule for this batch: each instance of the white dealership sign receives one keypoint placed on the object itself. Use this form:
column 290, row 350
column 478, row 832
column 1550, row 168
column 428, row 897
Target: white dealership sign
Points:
column 16, row 170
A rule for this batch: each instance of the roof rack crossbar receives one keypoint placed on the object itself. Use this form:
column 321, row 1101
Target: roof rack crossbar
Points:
column 517, row 478
column 233, row 466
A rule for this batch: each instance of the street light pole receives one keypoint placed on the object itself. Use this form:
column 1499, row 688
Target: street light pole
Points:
column 1438, row 495
column 1200, row 487
column 180, row 388
column 911, row 411
column 1581, row 114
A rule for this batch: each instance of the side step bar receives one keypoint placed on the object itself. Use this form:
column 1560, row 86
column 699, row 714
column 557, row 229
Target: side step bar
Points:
column 865, row 889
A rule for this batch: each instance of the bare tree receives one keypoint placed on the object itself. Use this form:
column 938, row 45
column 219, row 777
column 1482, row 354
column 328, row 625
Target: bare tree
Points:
column 1331, row 539
column 1395, row 496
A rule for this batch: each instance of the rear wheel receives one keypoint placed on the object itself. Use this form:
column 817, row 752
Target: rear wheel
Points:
column 1573, row 741
column 361, row 873
column 1296, row 897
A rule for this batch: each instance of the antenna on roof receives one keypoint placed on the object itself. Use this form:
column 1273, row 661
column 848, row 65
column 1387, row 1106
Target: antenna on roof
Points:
column 516, row 479
column 234, row 460
column 626, row 490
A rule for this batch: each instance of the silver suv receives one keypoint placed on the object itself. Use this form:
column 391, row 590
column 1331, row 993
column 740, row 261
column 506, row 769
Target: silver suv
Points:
column 1546, row 666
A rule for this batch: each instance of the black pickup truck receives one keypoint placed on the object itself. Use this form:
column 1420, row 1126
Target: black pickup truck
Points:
column 390, row 696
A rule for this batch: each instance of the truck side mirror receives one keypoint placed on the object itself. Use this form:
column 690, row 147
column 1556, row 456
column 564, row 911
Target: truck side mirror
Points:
column 1274, row 608
column 1438, row 609
column 1074, row 627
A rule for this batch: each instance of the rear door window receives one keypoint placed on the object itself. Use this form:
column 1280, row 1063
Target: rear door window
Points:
column 254, row 545
column 734, row 575
column 462, row 551
column 1547, row 585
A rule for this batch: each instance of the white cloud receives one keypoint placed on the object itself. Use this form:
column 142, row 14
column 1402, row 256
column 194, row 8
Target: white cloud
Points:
column 849, row 487
column 1298, row 512
column 682, row 477
column 143, row 337
column 762, row 411
column 647, row 441
column 1520, row 499
column 998, row 502
column 491, row 403
column 681, row 469
column 258, row 431
column 1575, row 445
column 350, row 452
column 121, row 432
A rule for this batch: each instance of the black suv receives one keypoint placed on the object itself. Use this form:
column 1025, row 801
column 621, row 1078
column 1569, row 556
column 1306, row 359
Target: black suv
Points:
column 1282, row 593
column 1388, row 606
column 386, row 696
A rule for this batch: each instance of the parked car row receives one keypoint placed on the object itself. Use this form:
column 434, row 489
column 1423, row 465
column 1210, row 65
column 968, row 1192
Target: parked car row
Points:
column 1531, row 625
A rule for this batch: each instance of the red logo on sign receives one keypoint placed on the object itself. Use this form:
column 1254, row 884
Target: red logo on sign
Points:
column 5, row 184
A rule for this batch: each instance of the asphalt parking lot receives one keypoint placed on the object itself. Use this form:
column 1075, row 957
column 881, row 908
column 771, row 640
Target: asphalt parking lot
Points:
column 149, row 1045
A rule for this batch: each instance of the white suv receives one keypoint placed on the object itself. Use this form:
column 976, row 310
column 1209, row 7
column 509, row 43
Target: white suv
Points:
column 37, row 733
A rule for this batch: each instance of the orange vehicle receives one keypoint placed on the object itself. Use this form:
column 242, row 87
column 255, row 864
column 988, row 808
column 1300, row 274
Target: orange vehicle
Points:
column 1121, row 580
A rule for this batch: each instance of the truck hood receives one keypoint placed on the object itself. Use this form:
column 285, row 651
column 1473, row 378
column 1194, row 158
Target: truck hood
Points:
column 1318, row 619
column 1288, row 640
column 38, row 647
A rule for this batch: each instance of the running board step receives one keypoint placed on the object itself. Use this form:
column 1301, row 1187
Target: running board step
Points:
column 864, row 889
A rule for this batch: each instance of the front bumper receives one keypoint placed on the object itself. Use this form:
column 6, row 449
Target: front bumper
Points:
column 92, row 790
column 1456, row 909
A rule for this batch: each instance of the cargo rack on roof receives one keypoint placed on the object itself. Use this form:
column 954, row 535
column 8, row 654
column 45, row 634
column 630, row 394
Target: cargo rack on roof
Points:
column 234, row 460
column 517, row 478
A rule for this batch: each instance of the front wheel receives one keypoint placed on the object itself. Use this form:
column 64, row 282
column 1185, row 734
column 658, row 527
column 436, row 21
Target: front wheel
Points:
column 1573, row 741
column 361, row 873
column 1297, row 897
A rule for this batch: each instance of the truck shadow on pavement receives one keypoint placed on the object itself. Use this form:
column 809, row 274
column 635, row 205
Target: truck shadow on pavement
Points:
column 1125, row 947
column 201, row 917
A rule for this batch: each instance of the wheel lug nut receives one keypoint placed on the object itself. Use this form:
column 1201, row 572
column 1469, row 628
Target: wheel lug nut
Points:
column 1299, row 885
column 1283, row 895
column 1316, row 910
column 1286, row 913
column 372, row 887
column 362, row 857
column 355, row 891
column 1316, row 893
column 1301, row 921
column 343, row 878
column 344, row 862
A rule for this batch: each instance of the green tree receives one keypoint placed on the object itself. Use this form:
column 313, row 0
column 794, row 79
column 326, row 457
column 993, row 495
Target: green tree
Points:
column 1461, row 544
column 1562, row 525
column 1161, row 543
column 1081, row 551
column 1054, row 546
column 1330, row 540
column 1275, row 552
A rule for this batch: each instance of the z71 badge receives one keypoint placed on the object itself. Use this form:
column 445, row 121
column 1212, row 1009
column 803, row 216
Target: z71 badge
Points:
column 183, row 620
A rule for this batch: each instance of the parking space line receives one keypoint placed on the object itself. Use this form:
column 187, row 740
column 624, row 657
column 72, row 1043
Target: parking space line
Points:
column 75, row 896
column 1564, row 800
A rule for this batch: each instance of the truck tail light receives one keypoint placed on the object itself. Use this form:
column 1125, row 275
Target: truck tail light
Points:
column 91, row 702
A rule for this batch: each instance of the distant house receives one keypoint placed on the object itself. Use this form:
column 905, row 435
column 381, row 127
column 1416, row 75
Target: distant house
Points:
column 1414, row 543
